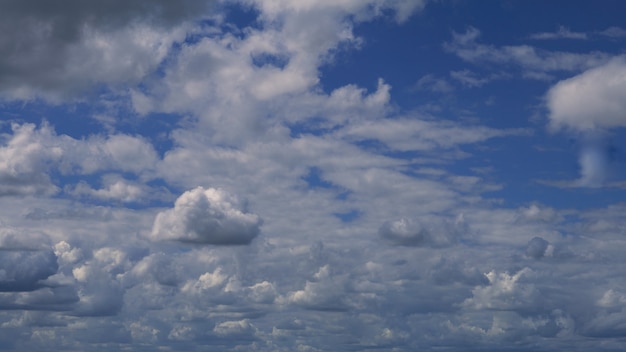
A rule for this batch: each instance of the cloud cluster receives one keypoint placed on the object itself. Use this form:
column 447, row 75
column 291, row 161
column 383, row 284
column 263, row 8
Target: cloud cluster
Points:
column 30, row 154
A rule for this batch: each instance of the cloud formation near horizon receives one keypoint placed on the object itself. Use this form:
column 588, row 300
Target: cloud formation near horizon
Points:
column 290, row 175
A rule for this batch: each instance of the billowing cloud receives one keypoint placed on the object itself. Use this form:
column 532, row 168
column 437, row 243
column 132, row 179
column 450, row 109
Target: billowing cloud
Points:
column 504, row 292
column 591, row 104
column 25, row 158
column 209, row 216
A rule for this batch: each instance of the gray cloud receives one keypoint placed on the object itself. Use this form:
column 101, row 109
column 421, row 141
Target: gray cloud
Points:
column 49, row 48
column 25, row 270
column 408, row 232
column 537, row 247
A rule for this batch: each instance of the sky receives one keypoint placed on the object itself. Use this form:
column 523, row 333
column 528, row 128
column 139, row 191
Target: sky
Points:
column 300, row 175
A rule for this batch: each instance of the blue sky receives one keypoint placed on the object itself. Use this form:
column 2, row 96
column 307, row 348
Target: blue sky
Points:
column 295, row 175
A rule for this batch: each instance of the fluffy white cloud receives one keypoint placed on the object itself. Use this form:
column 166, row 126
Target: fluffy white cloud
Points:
column 504, row 292
column 595, row 99
column 325, row 292
column 209, row 216
column 29, row 154
column 25, row 158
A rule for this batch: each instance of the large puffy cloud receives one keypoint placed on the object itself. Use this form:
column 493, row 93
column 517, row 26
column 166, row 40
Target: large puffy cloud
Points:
column 210, row 216
column 595, row 99
column 239, row 83
column 591, row 104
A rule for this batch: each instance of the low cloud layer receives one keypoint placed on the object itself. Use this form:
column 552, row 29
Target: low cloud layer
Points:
column 267, row 175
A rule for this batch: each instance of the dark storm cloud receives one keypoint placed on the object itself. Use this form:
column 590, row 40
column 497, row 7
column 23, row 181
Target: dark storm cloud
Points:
column 24, row 270
column 39, row 39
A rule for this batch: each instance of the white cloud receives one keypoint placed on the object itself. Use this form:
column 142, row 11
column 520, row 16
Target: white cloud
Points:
column 209, row 216
column 592, row 100
column 532, row 61
column 29, row 154
column 421, row 134
column 561, row 33
column 431, row 83
column 613, row 32
column 325, row 292
column 25, row 158
column 115, row 188
column 362, row 10
column 591, row 104
column 238, row 329
column 504, row 292
column 471, row 79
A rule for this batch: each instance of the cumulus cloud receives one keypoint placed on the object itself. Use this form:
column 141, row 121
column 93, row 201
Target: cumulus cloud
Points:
column 594, row 99
column 505, row 292
column 209, row 216
column 325, row 292
column 591, row 104
column 30, row 153
column 25, row 158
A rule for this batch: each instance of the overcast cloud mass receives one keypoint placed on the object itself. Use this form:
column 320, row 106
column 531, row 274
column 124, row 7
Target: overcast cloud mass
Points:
column 299, row 175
